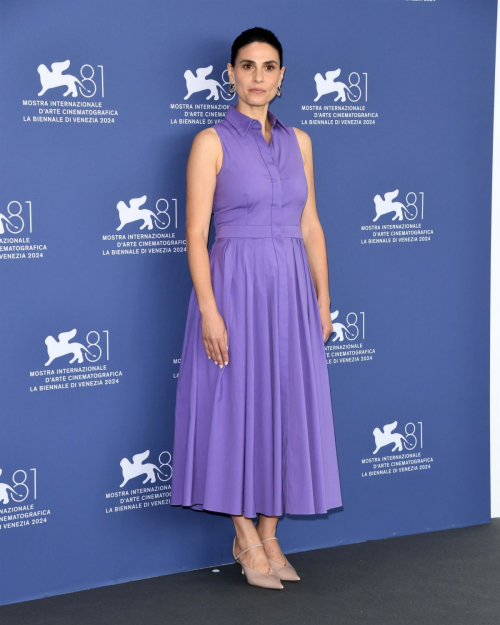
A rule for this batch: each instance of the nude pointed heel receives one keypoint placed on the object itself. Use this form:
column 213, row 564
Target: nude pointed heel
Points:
column 254, row 577
column 285, row 572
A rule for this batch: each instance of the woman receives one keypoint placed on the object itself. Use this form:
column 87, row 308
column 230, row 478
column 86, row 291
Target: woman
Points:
column 254, row 434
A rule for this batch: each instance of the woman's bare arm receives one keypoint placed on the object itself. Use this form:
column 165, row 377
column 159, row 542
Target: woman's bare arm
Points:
column 314, row 238
column 204, row 161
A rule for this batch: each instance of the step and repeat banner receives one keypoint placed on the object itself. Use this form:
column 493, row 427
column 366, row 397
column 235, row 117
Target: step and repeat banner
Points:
column 100, row 104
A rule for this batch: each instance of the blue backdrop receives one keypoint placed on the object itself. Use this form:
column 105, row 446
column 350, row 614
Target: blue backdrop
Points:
column 100, row 104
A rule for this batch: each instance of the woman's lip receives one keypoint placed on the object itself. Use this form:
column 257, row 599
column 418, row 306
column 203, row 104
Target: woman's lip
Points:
column 257, row 90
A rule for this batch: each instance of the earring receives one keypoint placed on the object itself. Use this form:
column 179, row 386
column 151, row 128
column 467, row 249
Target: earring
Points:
column 232, row 87
column 278, row 91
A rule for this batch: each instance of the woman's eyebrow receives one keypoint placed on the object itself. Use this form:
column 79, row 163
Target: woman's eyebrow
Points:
column 264, row 63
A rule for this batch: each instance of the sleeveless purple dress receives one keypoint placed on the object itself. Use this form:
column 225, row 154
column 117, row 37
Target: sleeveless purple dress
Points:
column 257, row 436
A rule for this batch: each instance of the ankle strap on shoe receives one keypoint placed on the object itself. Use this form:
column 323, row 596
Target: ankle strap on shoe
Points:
column 272, row 538
column 247, row 549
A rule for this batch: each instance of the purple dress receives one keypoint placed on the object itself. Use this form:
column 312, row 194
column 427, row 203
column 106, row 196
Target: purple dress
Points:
column 257, row 436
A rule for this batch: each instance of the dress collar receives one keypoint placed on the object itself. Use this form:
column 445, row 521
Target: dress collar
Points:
column 243, row 122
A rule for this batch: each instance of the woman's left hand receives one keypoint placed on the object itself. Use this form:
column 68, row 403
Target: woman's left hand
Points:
column 326, row 321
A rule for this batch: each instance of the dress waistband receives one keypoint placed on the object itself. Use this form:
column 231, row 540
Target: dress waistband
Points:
column 230, row 230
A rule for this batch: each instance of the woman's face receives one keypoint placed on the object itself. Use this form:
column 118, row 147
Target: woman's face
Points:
column 256, row 73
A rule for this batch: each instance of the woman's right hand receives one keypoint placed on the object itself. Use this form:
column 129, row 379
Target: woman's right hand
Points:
column 214, row 334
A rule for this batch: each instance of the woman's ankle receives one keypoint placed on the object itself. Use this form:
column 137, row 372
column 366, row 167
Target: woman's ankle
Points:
column 265, row 532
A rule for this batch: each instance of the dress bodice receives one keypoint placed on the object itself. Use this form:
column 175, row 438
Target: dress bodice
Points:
column 259, row 184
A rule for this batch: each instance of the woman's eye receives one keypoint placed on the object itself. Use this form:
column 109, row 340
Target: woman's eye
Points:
column 268, row 66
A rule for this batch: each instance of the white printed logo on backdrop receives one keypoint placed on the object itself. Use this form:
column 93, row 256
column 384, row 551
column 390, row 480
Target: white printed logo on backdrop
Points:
column 144, row 228
column 396, row 220
column 204, row 90
column 16, row 233
column 339, row 100
column 18, row 500
column 145, row 482
column 198, row 83
column 91, row 359
column 347, row 341
column 396, row 451
column 75, row 97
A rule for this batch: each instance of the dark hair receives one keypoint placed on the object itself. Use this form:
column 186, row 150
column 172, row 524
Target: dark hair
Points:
column 251, row 35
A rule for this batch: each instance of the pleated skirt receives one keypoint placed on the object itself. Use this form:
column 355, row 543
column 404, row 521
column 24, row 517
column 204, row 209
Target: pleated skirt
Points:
column 257, row 436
